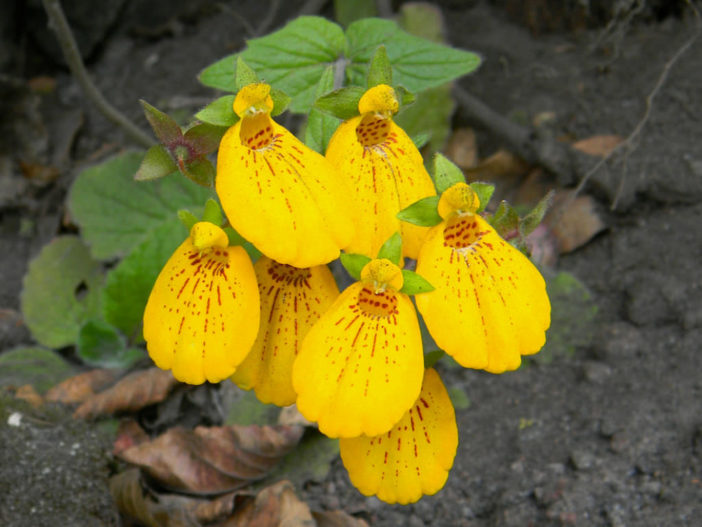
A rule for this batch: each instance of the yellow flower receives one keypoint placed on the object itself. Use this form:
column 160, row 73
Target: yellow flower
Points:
column 384, row 169
column 414, row 458
column 292, row 300
column 360, row 366
column 277, row 193
column 489, row 305
column 202, row 315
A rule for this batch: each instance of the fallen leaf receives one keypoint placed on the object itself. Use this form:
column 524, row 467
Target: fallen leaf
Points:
column 80, row 387
column 29, row 394
column 462, row 148
column 133, row 392
column 129, row 434
column 573, row 222
column 290, row 415
column 213, row 460
column 274, row 506
column 598, row 145
column 337, row 519
column 501, row 167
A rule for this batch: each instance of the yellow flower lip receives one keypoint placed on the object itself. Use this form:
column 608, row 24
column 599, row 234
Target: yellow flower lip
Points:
column 380, row 99
column 253, row 99
column 459, row 198
column 381, row 273
column 206, row 235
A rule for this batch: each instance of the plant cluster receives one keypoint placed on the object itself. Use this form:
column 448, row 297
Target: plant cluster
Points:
column 248, row 295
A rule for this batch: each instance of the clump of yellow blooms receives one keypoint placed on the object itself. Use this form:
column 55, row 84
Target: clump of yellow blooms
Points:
column 352, row 361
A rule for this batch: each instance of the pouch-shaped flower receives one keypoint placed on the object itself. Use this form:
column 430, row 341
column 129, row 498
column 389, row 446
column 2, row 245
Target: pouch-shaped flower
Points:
column 412, row 459
column 361, row 365
column 203, row 312
column 292, row 300
column 385, row 170
column 489, row 305
column 277, row 193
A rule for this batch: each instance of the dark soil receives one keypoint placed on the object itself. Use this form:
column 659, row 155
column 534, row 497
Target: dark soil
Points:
column 609, row 435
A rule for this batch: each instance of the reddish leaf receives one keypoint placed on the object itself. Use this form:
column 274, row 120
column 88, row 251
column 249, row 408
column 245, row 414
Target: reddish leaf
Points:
column 166, row 129
column 573, row 221
column 276, row 505
column 598, row 145
column 133, row 392
column 81, row 387
column 204, row 138
column 29, row 394
column 129, row 434
column 337, row 519
column 214, row 460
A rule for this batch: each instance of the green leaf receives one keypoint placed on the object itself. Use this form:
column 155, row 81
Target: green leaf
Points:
column 380, row 70
column 166, row 129
column 415, row 284
column 430, row 113
column 432, row 357
column 116, row 213
column 201, row 171
column 404, row 96
column 341, row 103
column 243, row 408
column 420, row 140
column 446, row 174
column 532, row 220
column 392, row 249
column 40, row 367
column 417, row 64
column 129, row 284
column 187, row 218
column 204, row 138
column 60, row 291
column 354, row 263
column 459, row 398
column 281, row 101
column 292, row 59
column 484, row 192
column 244, row 74
column 100, row 344
column 505, row 220
column 321, row 126
column 213, row 213
column 423, row 212
column 310, row 461
column 347, row 11
column 157, row 163
column 220, row 112
column 422, row 20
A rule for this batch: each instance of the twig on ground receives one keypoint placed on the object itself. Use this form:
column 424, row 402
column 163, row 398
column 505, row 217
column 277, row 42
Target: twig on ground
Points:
column 629, row 143
column 58, row 22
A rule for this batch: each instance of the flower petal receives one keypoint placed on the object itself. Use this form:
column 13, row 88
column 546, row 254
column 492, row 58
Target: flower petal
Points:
column 490, row 304
column 415, row 457
column 360, row 367
column 202, row 315
column 281, row 196
column 292, row 300
column 386, row 176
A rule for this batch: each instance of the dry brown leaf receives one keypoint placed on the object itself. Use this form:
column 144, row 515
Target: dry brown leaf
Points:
column 28, row 393
column 213, row 460
column 573, row 221
column 337, row 519
column 290, row 415
column 81, row 387
column 129, row 434
column 462, row 148
column 598, row 145
column 501, row 167
column 133, row 392
column 274, row 506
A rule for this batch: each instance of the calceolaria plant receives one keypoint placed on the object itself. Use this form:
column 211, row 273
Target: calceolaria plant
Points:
column 245, row 292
